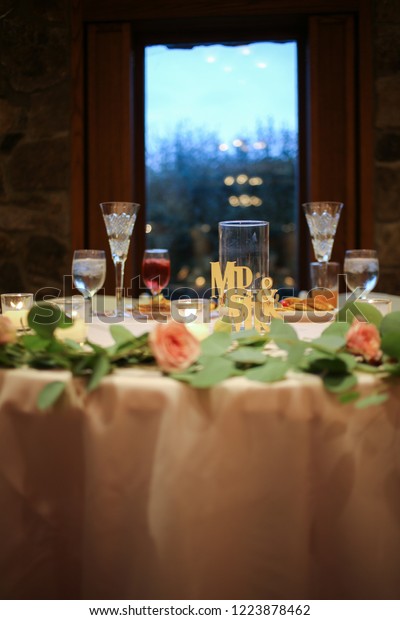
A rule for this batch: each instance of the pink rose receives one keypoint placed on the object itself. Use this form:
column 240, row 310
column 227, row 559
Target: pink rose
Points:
column 174, row 346
column 8, row 332
column 364, row 339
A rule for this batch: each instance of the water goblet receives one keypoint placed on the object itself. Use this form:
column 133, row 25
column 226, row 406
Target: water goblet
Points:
column 156, row 271
column 322, row 219
column 361, row 268
column 89, row 273
column 119, row 219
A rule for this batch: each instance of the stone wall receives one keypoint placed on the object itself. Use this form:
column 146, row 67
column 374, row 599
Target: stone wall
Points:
column 387, row 142
column 34, row 143
column 35, row 150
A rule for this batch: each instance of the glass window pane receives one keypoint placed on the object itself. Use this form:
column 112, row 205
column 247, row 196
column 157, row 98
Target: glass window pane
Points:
column 221, row 144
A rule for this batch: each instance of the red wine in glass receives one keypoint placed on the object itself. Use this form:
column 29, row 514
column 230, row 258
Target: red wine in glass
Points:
column 156, row 270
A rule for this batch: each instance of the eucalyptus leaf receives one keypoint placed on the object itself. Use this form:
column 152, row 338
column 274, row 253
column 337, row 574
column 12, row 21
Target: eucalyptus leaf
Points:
column 101, row 368
column 328, row 364
column 361, row 310
column 329, row 342
column 98, row 348
column 250, row 337
column 44, row 318
column 72, row 344
column 184, row 375
column 296, row 353
column 215, row 370
column 393, row 369
column 373, row 399
column 121, row 335
column 390, row 343
column 248, row 355
column 336, row 329
column 50, row 394
column 58, row 347
column 216, row 344
column 390, row 323
column 34, row 343
column 338, row 383
column 349, row 360
column 82, row 364
column 122, row 349
column 282, row 334
column 348, row 397
column 369, row 369
column 274, row 370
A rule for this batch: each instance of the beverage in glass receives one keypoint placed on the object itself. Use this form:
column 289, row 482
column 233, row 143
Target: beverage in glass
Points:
column 156, row 270
column 361, row 268
column 89, row 273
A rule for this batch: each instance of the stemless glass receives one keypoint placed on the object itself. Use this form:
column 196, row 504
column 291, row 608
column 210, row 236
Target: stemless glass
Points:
column 89, row 273
column 246, row 243
column 322, row 219
column 119, row 218
column 156, row 270
column 361, row 268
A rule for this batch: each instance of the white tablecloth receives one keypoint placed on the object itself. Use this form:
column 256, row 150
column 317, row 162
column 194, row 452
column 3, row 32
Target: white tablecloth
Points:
column 148, row 489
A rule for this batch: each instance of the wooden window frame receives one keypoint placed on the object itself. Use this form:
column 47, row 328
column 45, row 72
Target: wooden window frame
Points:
column 335, row 135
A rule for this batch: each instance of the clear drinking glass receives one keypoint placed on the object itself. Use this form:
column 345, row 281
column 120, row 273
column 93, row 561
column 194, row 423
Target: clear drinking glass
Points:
column 322, row 219
column 119, row 218
column 89, row 273
column 361, row 268
column 328, row 288
column 245, row 242
column 156, row 270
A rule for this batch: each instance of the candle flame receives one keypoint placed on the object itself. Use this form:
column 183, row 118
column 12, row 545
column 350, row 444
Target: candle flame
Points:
column 17, row 306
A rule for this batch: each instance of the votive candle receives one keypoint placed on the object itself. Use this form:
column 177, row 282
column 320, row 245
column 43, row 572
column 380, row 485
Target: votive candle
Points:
column 16, row 307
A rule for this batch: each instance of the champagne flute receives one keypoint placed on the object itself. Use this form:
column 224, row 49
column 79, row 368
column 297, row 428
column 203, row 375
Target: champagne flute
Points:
column 89, row 273
column 322, row 219
column 361, row 268
column 119, row 218
column 156, row 270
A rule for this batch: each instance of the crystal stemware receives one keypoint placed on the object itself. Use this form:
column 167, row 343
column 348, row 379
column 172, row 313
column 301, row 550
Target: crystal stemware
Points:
column 89, row 273
column 322, row 219
column 119, row 218
column 361, row 268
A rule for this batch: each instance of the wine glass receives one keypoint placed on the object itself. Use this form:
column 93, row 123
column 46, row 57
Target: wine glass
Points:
column 119, row 218
column 89, row 273
column 156, row 270
column 361, row 268
column 322, row 219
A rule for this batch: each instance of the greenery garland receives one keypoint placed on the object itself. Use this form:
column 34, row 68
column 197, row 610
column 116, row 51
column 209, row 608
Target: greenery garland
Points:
column 259, row 357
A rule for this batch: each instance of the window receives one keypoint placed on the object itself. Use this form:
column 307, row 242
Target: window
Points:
column 221, row 143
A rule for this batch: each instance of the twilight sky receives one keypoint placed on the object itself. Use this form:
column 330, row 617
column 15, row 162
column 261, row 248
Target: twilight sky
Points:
column 227, row 89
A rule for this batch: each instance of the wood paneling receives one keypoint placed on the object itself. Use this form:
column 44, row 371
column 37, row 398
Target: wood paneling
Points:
column 365, row 214
column 164, row 9
column 332, row 109
column 110, row 131
column 77, row 130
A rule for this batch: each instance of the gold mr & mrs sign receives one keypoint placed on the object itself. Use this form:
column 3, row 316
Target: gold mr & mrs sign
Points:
column 241, row 305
